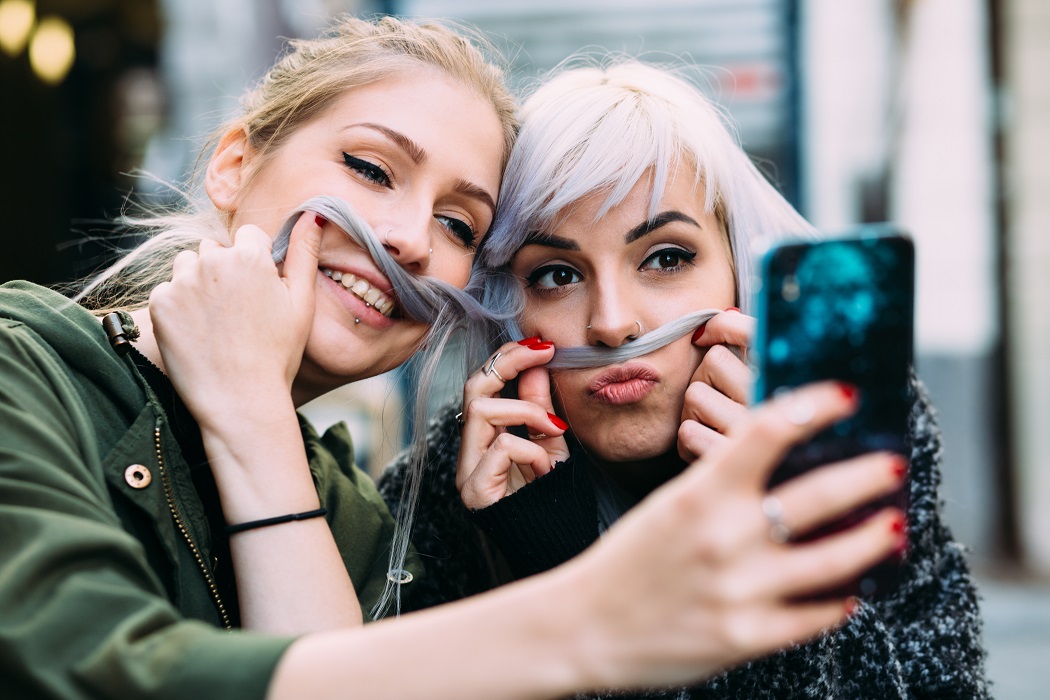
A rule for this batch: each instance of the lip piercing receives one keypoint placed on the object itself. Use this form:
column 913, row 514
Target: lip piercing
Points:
column 357, row 320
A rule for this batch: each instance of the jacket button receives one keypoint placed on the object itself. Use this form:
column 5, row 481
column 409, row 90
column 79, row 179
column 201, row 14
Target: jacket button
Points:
column 137, row 476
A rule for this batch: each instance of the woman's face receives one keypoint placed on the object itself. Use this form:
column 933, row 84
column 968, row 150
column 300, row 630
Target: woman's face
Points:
column 592, row 283
column 418, row 156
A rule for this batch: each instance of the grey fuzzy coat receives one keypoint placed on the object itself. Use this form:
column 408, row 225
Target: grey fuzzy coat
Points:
column 922, row 642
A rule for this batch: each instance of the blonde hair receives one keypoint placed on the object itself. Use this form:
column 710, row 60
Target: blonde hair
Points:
column 300, row 86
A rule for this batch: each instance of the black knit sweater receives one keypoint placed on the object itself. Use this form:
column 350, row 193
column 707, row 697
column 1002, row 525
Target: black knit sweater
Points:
column 922, row 642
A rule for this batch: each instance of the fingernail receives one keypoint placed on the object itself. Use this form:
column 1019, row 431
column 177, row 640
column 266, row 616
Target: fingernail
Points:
column 849, row 392
column 562, row 425
column 733, row 308
column 899, row 467
column 699, row 331
column 852, row 604
column 320, row 221
column 529, row 341
column 546, row 345
column 898, row 525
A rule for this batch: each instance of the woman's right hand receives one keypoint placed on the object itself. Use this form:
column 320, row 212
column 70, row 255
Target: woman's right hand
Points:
column 493, row 463
column 702, row 579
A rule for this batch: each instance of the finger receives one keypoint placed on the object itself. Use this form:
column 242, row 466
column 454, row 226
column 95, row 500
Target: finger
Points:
column 493, row 478
column 512, row 359
column 826, row 494
column 300, row 266
column 184, row 264
column 728, row 328
column 696, row 440
column 764, row 629
column 711, row 407
column 788, row 419
column 207, row 244
column 485, row 412
column 806, row 569
column 723, row 367
column 534, row 386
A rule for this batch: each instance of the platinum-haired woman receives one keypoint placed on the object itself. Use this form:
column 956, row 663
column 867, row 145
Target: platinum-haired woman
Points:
column 622, row 255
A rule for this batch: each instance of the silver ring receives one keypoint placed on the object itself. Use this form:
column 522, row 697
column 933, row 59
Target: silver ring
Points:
column 490, row 368
column 538, row 436
column 459, row 419
column 773, row 509
column 638, row 332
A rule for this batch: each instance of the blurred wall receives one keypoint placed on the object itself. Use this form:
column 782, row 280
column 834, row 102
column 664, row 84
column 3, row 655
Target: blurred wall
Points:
column 1025, row 51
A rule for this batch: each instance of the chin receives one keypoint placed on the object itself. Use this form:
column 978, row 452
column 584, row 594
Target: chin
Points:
column 634, row 445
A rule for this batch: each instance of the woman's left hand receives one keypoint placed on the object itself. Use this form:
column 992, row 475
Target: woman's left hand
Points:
column 232, row 328
column 719, row 390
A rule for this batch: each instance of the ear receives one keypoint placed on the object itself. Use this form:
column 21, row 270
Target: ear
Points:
column 227, row 170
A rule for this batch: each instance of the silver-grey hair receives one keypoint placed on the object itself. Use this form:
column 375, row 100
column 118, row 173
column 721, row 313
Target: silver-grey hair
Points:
column 600, row 126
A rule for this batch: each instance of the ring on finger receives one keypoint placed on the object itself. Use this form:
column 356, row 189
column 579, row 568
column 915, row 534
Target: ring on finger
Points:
column 538, row 436
column 773, row 510
column 490, row 368
column 459, row 419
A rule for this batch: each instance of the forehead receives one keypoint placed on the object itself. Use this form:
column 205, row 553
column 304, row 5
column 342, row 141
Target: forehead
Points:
column 682, row 192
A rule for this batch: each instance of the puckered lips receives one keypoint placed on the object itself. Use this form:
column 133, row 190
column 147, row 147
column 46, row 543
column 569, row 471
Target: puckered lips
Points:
column 626, row 384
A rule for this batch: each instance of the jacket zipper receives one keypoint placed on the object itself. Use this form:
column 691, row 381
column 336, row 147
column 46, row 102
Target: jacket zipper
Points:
column 181, row 524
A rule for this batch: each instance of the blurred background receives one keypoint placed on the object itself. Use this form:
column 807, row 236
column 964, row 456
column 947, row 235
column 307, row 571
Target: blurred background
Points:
column 931, row 113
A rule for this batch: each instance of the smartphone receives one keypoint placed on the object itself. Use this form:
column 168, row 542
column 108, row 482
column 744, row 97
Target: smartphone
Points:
column 842, row 308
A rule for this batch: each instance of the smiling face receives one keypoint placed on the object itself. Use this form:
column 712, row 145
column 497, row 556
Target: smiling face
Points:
column 418, row 156
column 592, row 282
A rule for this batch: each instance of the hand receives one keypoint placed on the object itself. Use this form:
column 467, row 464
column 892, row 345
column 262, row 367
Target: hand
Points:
column 718, row 392
column 701, row 583
column 232, row 328
column 494, row 463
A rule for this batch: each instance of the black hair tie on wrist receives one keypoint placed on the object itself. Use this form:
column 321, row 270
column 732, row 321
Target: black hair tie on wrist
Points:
column 266, row 522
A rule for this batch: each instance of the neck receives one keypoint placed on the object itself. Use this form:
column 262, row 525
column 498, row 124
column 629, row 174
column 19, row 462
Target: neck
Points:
column 641, row 477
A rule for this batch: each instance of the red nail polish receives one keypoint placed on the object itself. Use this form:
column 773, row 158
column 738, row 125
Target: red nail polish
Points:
column 699, row 331
column 529, row 341
column 849, row 392
column 733, row 308
column 562, row 425
column 852, row 604
column 546, row 345
column 898, row 525
column 899, row 467
column 320, row 221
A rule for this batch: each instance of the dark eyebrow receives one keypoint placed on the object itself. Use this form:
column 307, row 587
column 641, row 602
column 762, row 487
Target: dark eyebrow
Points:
column 661, row 219
column 549, row 240
column 413, row 149
column 477, row 192
column 419, row 156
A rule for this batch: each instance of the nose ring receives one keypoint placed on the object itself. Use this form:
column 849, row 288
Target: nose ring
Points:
column 638, row 332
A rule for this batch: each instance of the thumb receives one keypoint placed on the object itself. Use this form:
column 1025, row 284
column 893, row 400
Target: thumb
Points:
column 534, row 386
column 304, row 249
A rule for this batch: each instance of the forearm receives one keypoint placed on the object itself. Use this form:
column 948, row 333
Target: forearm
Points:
column 493, row 645
column 291, row 578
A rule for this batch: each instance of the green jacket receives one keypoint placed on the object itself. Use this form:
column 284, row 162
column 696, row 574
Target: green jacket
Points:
column 106, row 584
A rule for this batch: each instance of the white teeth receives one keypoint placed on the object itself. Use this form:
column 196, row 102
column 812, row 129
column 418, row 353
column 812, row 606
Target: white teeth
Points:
column 362, row 289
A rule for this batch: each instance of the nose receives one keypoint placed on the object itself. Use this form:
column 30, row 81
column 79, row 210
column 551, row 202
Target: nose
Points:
column 408, row 242
column 612, row 320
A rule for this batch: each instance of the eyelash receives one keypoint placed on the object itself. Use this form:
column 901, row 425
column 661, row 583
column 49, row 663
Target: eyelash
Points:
column 375, row 174
column 370, row 171
column 685, row 259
